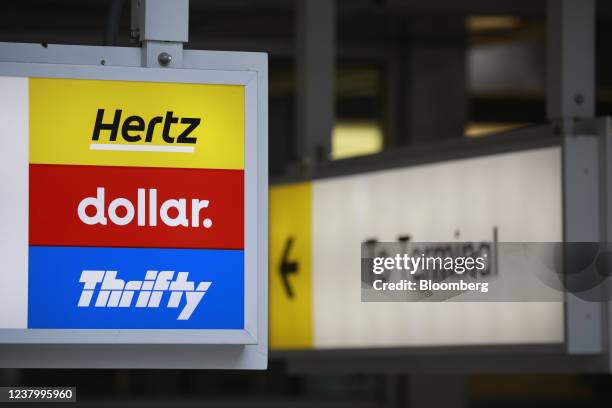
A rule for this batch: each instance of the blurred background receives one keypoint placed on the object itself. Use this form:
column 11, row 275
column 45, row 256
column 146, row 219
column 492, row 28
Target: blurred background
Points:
column 351, row 84
column 406, row 72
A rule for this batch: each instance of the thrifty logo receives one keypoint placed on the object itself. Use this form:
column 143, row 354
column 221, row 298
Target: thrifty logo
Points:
column 113, row 292
column 134, row 129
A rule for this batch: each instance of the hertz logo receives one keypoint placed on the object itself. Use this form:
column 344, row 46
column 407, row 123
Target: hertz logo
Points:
column 128, row 124
column 135, row 130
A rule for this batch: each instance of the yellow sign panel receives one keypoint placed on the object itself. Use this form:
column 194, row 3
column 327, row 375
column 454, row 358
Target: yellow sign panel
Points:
column 144, row 124
column 290, row 266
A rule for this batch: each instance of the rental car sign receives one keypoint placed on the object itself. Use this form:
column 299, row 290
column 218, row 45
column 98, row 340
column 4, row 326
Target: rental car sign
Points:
column 135, row 205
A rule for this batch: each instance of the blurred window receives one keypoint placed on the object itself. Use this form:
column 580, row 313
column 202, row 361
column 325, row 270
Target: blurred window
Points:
column 479, row 129
column 360, row 106
column 356, row 138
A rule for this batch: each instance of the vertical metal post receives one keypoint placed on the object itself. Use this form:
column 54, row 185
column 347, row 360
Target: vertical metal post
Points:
column 112, row 22
column 162, row 27
column 582, row 222
column 436, row 81
column 570, row 59
column 605, row 129
column 315, row 69
column 570, row 97
column 394, row 100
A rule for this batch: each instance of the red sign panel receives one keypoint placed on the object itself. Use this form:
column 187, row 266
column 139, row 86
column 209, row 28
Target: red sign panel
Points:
column 136, row 207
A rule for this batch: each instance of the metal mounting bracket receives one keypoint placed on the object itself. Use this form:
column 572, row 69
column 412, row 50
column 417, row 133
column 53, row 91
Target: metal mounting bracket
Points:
column 162, row 27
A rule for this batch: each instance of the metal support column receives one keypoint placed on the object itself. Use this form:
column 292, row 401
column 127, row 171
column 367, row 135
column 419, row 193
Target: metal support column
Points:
column 571, row 59
column 605, row 129
column 436, row 83
column 315, row 69
column 162, row 27
column 570, row 101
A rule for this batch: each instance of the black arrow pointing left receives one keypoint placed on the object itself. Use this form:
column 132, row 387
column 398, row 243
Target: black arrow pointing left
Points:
column 288, row 267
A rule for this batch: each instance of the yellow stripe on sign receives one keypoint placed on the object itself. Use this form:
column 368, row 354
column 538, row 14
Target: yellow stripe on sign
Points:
column 145, row 124
column 290, row 274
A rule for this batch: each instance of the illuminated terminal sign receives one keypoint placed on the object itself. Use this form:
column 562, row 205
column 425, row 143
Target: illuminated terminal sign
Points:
column 319, row 228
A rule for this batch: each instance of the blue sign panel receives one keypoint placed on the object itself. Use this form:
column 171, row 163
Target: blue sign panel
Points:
column 135, row 288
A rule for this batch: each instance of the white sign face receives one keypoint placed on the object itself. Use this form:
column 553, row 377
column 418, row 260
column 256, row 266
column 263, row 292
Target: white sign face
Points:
column 518, row 194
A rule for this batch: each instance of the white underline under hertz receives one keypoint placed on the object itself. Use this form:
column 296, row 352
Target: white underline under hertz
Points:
column 142, row 148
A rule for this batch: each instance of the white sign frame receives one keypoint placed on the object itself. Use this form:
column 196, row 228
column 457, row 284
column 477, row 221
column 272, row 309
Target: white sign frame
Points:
column 245, row 348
